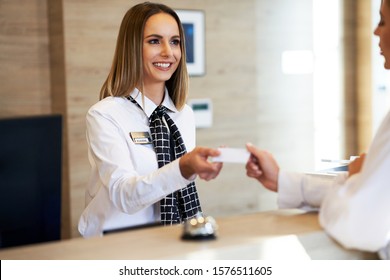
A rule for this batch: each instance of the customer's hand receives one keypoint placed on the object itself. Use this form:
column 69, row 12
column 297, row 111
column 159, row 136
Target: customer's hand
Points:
column 263, row 167
column 356, row 165
column 197, row 162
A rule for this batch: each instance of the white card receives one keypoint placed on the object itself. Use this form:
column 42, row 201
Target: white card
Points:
column 232, row 155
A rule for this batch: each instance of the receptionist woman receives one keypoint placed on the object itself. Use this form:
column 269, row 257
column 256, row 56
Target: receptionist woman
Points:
column 140, row 131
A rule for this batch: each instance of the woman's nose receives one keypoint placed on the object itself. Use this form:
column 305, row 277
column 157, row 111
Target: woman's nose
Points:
column 376, row 31
column 166, row 49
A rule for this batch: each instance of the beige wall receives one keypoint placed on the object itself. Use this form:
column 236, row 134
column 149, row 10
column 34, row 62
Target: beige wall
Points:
column 364, row 117
column 24, row 58
column 43, row 72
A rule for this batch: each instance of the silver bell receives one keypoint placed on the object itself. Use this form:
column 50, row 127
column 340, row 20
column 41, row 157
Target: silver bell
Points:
column 200, row 228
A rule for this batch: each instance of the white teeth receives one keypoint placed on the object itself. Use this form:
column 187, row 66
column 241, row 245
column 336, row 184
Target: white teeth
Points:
column 163, row 65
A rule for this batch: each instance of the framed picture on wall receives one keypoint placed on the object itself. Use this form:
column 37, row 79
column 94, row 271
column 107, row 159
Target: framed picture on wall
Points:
column 194, row 30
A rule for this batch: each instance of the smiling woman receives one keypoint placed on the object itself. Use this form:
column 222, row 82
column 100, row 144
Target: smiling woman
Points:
column 161, row 54
column 139, row 132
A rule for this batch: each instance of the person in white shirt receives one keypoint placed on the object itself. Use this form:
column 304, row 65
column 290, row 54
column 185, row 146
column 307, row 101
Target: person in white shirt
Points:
column 128, row 186
column 354, row 208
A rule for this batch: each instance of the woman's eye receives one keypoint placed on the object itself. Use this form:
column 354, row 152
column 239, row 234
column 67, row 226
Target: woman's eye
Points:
column 153, row 41
column 175, row 42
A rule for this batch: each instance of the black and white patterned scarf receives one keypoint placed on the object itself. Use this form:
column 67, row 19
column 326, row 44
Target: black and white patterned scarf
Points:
column 168, row 145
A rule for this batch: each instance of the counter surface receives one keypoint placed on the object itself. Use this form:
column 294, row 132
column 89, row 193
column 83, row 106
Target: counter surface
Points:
column 278, row 235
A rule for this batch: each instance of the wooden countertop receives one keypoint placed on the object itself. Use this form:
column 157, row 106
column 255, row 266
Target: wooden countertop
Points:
column 282, row 234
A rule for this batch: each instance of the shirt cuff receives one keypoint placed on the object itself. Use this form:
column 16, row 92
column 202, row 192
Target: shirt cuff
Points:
column 176, row 167
column 300, row 190
column 289, row 189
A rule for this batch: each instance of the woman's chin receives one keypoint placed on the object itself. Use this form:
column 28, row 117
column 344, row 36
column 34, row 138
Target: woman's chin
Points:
column 387, row 64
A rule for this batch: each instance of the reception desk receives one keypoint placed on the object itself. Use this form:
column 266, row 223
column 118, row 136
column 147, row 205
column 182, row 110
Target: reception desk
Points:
column 275, row 235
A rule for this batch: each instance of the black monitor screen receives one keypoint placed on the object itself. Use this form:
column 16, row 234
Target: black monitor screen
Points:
column 30, row 180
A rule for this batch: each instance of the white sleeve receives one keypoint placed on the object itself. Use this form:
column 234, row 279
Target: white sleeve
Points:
column 357, row 213
column 306, row 191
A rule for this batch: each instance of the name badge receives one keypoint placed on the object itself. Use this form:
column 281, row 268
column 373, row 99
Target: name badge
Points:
column 140, row 137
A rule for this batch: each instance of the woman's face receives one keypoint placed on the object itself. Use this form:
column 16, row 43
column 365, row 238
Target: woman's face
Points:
column 383, row 32
column 161, row 48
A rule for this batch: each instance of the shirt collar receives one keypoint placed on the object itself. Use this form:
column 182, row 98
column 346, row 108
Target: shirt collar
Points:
column 148, row 105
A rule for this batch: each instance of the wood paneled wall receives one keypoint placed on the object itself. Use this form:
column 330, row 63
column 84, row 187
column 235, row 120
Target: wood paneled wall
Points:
column 59, row 100
column 54, row 56
column 358, row 33
column 24, row 58
column 364, row 33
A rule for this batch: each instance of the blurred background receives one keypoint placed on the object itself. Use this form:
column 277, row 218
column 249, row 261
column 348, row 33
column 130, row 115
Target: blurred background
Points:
column 302, row 79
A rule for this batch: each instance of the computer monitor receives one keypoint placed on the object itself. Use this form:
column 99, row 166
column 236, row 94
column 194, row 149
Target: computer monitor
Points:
column 30, row 180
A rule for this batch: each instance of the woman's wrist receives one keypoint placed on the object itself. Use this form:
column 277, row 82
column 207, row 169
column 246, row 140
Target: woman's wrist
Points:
column 185, row 167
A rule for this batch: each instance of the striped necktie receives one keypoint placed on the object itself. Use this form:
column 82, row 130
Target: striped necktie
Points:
column 168, row 145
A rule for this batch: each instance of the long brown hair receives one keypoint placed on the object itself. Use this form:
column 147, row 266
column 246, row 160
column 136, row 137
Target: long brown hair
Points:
column 127, row 65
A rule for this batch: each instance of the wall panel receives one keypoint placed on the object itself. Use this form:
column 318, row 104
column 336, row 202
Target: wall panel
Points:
column 24, row 58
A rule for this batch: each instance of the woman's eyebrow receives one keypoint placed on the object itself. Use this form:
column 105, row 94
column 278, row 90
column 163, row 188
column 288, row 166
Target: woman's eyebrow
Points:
column 160, row 36
column 153, row 35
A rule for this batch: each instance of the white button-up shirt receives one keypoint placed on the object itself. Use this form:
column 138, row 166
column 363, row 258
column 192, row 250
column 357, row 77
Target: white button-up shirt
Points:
column 356, row 210
column 126, row 185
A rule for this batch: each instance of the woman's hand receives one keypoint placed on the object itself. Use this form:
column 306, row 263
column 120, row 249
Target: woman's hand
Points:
column 197, row 162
